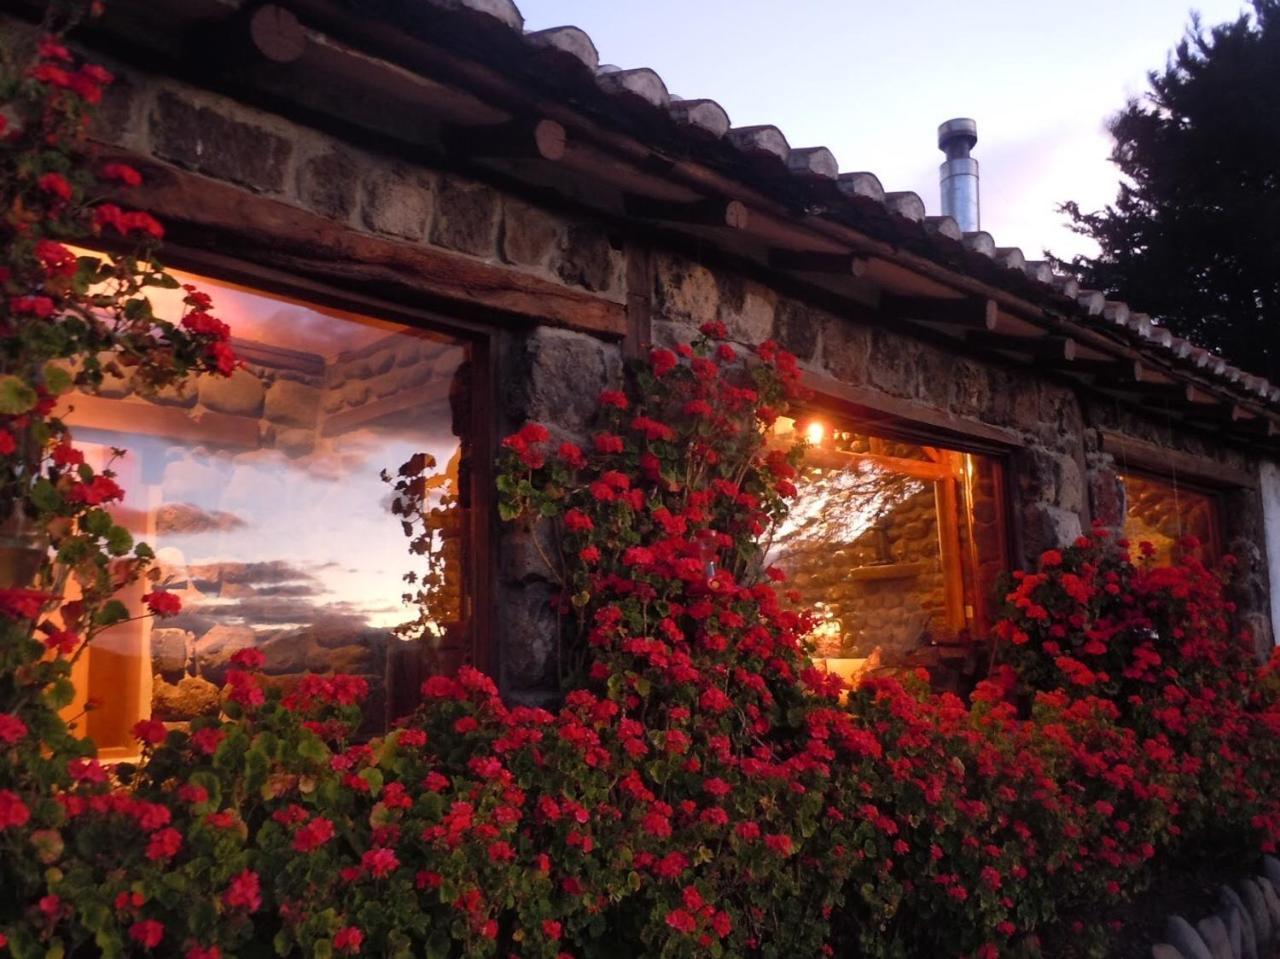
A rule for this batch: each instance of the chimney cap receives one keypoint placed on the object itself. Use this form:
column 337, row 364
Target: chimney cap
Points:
column 960, row 128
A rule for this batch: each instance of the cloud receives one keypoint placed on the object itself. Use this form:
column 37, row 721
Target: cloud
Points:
column 187, row 518
column 209, row 576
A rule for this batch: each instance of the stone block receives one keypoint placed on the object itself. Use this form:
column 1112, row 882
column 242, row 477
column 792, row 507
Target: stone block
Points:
column 749, row 317
column 1271, row 866
column 171, row 651
column 1106, row 494
column 846, row 350
column 466, row 217
column 528, row 235
column 797, row 327
column 240, row 394
column 1272, row 901
column 684, row 291
column 209, row 142
column 1048, row 527
column 561, row 377
column 114, row 119
column 1213, row 932
column 1185, row 939
column 1071, row 491
column 522, row 553
column 182, row 395
column 1256, row 908
column 893, row 367
column 1235, row 931
column 586, row 258
column 529, row 629
column 398, row 202
column 292, row 404
column 188, row 698
column 1231, row 901
column 970, row 388
column 284, row 655
column 933, row 383
column 295, row 442
column 327, row 183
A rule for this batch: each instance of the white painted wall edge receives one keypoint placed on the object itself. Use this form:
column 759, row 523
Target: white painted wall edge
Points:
column 1269, row 477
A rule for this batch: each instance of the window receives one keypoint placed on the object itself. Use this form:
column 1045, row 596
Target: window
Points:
column 264, row 499
column 1161, row 512
column 897, row 545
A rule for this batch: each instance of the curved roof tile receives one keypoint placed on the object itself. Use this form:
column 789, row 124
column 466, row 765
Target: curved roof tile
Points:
column 569, row 41
column 760, row 141
column 707, row 119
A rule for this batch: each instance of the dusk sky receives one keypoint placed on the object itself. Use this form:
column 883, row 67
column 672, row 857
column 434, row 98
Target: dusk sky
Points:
column 872, row 81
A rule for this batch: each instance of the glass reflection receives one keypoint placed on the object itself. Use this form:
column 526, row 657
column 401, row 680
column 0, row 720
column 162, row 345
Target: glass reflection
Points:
column 264, row 499
column 896, row 545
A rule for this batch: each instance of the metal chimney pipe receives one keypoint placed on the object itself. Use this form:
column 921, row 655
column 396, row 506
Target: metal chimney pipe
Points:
column 958, row 176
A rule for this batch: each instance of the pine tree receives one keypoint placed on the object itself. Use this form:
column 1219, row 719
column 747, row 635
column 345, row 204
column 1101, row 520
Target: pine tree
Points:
column 1193, row 237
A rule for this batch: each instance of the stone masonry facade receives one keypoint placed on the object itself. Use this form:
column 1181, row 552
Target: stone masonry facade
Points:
column 1059, row 474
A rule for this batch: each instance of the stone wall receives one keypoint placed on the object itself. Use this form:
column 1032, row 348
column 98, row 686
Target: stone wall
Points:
column 1059, row 475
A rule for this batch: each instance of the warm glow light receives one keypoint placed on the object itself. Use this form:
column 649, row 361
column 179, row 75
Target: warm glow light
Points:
column 815, row 432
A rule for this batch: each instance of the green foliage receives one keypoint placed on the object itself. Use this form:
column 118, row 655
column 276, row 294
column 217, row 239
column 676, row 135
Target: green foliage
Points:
column 1194, row 234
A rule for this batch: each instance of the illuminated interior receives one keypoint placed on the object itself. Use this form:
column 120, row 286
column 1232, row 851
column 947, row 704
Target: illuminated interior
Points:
column 898, row 546
column 1161, row 513
column 263, row 497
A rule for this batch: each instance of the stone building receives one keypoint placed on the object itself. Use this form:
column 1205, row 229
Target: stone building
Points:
column 426, row 225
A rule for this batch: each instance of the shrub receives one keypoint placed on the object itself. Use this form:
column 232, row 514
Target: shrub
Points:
column 703, row 790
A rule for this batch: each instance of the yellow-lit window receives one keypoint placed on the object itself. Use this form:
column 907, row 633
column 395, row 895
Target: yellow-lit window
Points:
column 1162, row 512
column 896, row 545
column 262, row 496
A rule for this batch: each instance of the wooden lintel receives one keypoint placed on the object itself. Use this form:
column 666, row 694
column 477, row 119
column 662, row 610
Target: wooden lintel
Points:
column 817, row 261
column 977, row 313
column 541, row 139
column 273, row 234
column 1133, row 453
column 202, row 427
column 1054, row 348
column 709, row 212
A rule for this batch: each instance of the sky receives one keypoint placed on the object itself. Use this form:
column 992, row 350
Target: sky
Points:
column 872, row 81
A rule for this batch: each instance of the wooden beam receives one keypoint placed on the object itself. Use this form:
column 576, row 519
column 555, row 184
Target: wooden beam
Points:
column 541, row 139
column 126, row 416
column 1054, row 348
column 639, row 338
column 817, row 261
column 270, row 233
column 1130, row 453
column 415, row 397
column 874, row 409
column 710, row 212
column 277, row 34
column 977, row 313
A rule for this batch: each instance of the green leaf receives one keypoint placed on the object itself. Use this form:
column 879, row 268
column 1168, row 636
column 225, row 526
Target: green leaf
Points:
column 16, row 395
column 57, row 379
column 113, row 611
column 119, row 541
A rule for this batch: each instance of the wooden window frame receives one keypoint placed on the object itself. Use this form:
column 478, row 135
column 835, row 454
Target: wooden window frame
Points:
column 1216, row 494
column 895, row 423
column 480, row 336
column 1145, row 460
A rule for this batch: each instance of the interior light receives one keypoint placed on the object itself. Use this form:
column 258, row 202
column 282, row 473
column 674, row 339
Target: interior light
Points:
column 815, row 432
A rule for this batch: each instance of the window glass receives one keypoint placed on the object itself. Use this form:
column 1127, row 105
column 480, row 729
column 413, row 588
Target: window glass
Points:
column 1161, row 513
column 263, row 496
column 897, row 545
